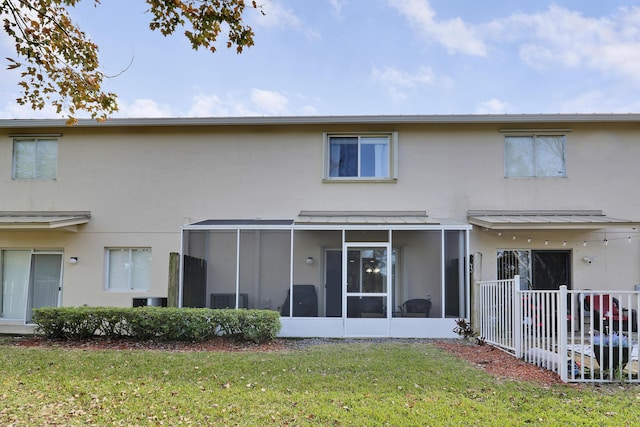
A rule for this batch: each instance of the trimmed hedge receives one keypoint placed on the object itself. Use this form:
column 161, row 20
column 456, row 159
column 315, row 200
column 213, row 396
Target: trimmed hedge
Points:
column 165, row 324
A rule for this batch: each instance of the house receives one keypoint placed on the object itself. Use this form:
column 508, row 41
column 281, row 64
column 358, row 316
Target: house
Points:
column 348, row 226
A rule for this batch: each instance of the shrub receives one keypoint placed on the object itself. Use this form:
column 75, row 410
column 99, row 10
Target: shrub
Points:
column 465, row 330
column 166, row 324
column 228, row 322
column 51, row 322
column 258, row 325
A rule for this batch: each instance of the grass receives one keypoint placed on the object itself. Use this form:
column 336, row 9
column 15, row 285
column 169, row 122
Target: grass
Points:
column 399, row 384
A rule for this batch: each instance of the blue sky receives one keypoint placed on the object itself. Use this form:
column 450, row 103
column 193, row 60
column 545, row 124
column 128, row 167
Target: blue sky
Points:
column 369, row 57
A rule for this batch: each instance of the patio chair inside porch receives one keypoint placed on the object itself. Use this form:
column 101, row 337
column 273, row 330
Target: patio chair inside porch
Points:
column 606, row 309
column 417, row 307
column 305, row 302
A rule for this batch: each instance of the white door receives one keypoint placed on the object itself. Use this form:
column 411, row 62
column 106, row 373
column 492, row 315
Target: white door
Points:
column 366, row 279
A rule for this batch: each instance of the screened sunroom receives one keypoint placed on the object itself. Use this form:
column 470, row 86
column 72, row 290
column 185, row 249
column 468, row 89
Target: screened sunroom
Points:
column 333, row 274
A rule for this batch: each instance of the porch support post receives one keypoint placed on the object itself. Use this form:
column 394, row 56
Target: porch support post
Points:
column 563, row 370
column 463, row 276
column 443, row 272
column 343, row 284
column 291, row 274
column 237, row 266
column 391, row 286
column 516, row 310
column 468, row 294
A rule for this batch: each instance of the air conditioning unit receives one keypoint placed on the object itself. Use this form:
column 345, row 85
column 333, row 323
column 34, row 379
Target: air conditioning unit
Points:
column 153, row 302
column 229, row 301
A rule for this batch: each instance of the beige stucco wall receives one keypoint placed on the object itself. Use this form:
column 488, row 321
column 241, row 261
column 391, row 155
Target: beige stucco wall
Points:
column 142, row 184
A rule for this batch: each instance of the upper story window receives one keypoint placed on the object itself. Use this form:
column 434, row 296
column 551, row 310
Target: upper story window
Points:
column 35, row 158
column 535, row 156
column 128, row 269
column 363, row 157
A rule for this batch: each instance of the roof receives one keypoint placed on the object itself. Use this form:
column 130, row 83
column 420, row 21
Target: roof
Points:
column 248, row 222
column 327, row 120
column 545, row 220
column 337, row 220
column 43, row 220
column 365, row 217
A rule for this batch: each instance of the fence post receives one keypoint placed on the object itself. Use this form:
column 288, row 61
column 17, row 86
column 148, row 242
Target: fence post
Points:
column 516, row 322
column 563, row 356
column 475, row 309
column 174, row 279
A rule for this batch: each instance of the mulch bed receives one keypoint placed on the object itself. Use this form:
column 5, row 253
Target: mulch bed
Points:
column 499, row 363
column 216, row 344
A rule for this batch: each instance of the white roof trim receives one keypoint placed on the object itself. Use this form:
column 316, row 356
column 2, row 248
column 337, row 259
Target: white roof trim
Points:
column 328, row 120
column 546, row 220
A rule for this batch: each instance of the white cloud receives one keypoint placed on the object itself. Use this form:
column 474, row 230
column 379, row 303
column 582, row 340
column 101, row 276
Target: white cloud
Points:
column 493, row 106
column 396, row 77
column 562, row 37
column 454, row 34
column 584, row 103
column 271, row 103
column 257, row 102
column 309, row 110
column 14, row 111
column 402, row 84
column 215, row 106
column 277, row 16
column 546, row 40
column 336, row 5
column 139, row 108
column 208, row 106
column 143, row 108
column 602, row 101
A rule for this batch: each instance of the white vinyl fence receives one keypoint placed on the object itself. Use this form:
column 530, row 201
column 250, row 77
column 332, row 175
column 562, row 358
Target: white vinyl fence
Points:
column 584, row 336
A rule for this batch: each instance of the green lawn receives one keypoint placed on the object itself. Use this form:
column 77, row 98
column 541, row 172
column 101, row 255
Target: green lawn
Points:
column 398, row 383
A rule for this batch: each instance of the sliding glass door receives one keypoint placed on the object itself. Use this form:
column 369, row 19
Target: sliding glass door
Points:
column 28, row 280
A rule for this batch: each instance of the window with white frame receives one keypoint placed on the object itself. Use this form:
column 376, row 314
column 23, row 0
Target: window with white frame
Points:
column 535, row 156
column 360, row 157
column 128, row 269
column 35, row 158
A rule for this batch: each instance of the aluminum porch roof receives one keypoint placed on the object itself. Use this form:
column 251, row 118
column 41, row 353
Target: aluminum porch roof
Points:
column 45, row 220
column 242, row 222
column 337, row 220
column 365, row 217
column 545, row 220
